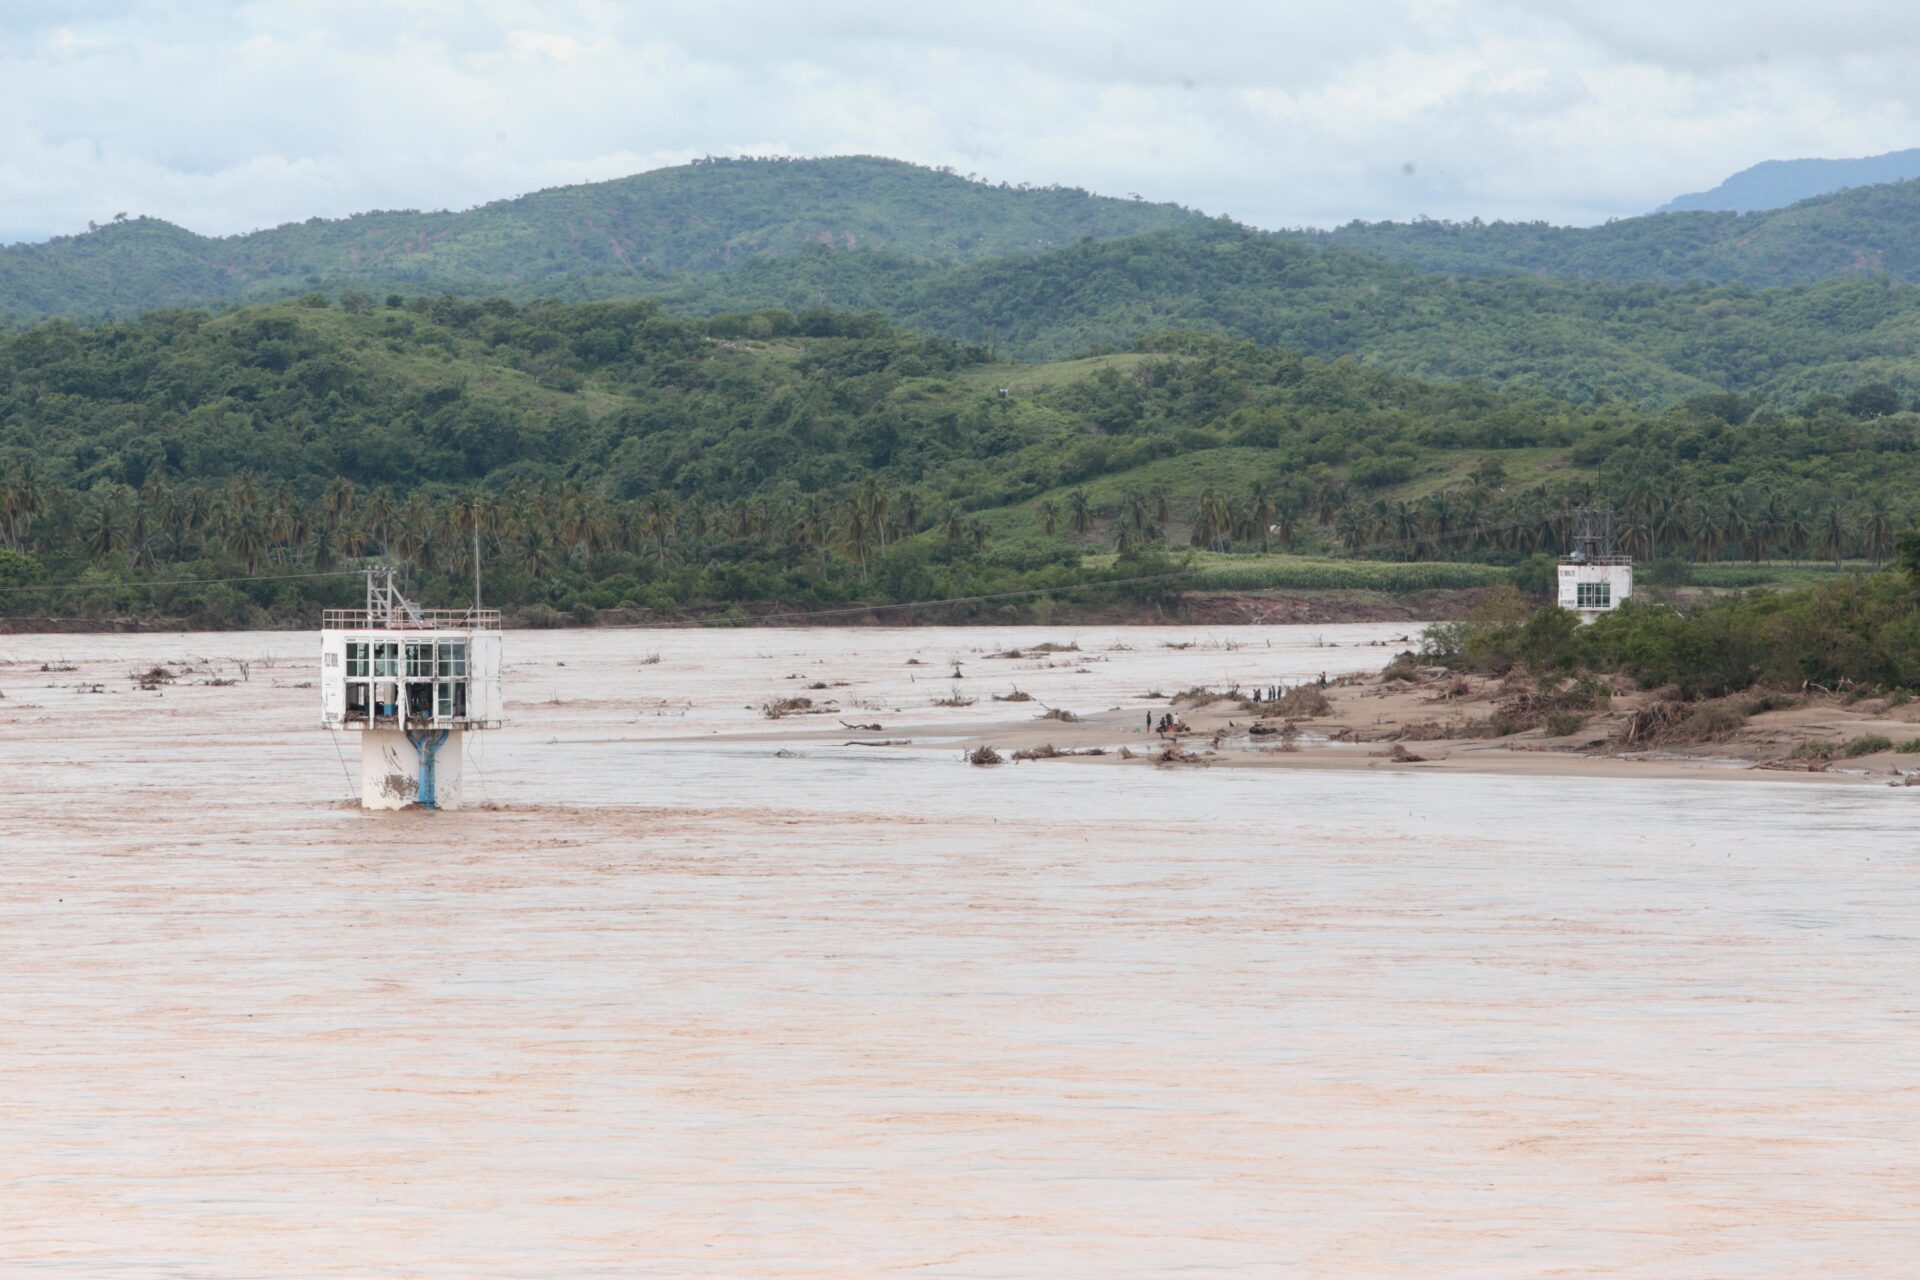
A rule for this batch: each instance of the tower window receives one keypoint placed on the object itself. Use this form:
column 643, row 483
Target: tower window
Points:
column 1593, row 595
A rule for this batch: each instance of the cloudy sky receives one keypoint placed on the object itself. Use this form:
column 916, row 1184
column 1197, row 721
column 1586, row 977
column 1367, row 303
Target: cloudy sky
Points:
column 226, row 115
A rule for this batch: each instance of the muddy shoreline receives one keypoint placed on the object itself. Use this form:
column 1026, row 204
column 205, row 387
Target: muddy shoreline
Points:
column 1438, row 721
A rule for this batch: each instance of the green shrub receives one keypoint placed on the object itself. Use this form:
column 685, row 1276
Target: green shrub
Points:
column 1538, row 576
column 1769, row 702
column 1562, row 723
column 1814, row 749
column 1865, row 745
column 1667, row 571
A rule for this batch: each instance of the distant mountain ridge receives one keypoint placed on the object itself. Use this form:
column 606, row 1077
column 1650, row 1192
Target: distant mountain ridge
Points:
column 696, row 218
column 1655, row 309
column 1859, row 231
column 1774, row 184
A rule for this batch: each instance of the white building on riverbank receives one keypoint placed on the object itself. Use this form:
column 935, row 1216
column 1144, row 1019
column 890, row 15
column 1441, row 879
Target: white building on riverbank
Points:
column 1594, row 577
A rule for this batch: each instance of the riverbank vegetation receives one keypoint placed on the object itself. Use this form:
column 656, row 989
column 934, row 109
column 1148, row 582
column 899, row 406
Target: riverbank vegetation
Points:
column 1857, row 635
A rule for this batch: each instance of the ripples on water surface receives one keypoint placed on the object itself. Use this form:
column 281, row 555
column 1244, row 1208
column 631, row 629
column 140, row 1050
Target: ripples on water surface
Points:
column 692, row 1008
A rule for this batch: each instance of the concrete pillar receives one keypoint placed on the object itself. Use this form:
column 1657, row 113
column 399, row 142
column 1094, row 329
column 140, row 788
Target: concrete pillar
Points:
column 390, row 770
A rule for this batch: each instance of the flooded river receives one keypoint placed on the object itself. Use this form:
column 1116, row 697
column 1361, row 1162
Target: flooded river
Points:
column 697, row 993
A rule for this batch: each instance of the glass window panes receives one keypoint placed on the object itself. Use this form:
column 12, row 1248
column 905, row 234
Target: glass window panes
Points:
column 443, row 703
column 419, row 660
column 386, row 659
column 453, row 657
column 357, row 658
column 1593, row 595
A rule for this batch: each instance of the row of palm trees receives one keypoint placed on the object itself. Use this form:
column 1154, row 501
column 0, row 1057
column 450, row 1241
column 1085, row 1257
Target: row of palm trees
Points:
column 1481, row 518
column 540, row 527
column 545, row 527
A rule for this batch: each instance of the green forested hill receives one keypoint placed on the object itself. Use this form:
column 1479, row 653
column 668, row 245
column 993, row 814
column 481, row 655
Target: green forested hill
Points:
column 1043, row 274
column 1588, row 340
column 608, row 236
column 1872, row 230
column 613, row 454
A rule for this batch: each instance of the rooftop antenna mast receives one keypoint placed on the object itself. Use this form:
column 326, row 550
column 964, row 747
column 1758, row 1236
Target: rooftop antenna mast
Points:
column 1592, row 535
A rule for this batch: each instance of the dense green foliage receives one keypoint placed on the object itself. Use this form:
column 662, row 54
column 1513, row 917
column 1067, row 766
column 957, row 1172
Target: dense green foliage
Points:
column 611, row 454
column 1860, row 631
column 624, row 237
column 1587, row 340
column 1050, row 273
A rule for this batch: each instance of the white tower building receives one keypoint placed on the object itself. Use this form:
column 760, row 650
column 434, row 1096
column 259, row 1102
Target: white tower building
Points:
column 1594, row 578
column 411, row 682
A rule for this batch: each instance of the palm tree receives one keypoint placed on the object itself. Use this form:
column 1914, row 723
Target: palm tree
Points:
column 413, row 535
column 909, row 508
column 326, row 550
column 337, row 502
column 1081, row 511
column 657, row 521
column 1834, row 537
column 1212, row 521
column 19, row 504
column 1669, row 527
column 537, row 550
column 246, row 539
column 1879, row 530
column 873, row 503
column 1796, row 533
column 1405, row 527
column 1260, row 512
column 140, row 535
column 1286, row 518
column 382, row 513
column 103, row 521
column 1049, row 516
column 857, row 531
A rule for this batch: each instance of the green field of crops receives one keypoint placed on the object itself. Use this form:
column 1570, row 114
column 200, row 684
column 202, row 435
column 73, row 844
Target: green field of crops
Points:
column 1314, row 573
column 1748, row 575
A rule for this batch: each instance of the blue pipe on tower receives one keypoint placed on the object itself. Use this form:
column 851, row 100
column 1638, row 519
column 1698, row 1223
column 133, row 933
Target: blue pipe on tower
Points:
column 428, row 744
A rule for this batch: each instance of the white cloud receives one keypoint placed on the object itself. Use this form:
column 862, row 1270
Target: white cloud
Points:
column 225, row 117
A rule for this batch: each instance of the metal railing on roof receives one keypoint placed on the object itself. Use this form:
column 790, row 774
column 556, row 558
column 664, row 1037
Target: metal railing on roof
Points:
column 413, row 620
column 1600, row 561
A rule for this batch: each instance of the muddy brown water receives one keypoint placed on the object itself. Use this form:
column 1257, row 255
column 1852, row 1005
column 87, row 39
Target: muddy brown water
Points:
column 679, row 1007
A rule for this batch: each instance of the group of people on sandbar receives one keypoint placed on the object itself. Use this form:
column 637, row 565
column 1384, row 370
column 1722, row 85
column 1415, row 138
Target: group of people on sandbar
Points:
column 1275, row 692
